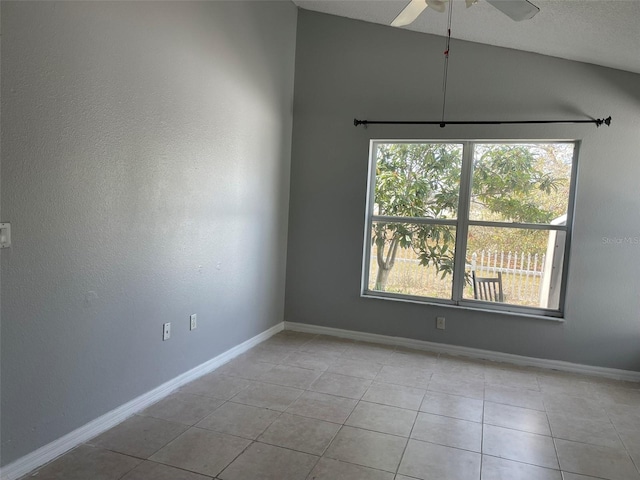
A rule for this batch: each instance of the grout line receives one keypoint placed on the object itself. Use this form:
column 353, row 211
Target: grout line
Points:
column 253, row 382
column 406, row 445
column 626, row 449
column 234, row 459
column 484, row 402
column 525, row 463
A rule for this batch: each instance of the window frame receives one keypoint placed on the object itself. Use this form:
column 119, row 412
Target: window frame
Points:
column 462, row 224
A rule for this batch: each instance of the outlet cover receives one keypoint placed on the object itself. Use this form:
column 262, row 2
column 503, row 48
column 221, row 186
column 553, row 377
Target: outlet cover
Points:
column 440, row 323
column 5, row 235
column 193, row 321
column 166, row 331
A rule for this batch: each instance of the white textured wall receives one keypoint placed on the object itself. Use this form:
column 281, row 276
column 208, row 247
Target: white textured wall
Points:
column 347, row 69
column 143, row 144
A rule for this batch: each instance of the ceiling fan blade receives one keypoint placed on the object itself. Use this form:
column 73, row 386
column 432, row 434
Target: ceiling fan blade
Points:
column 517, row 10
column 409, row 13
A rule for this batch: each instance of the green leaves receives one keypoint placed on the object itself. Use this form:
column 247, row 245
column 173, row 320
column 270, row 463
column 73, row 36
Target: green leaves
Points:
column 418, row 180
column 513, row 183
column 510, row 183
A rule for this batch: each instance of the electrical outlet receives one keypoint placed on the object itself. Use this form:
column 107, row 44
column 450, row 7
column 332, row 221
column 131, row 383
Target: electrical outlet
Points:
column 193, row 321
column 440, row 324
column 166, row 331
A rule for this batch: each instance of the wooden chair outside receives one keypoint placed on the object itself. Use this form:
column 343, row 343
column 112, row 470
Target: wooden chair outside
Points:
column 488, row 289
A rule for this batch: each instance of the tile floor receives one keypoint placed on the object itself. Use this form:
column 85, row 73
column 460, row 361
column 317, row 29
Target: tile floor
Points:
column 308, row 407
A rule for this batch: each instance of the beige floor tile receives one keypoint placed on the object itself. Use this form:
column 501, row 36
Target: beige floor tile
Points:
column 245, row 368
column 268, row 353
column 87, row 462
column 184, row 408
column 217, row 386
column 579, row 429
column 512, row 378
column 566, row 384
column 314, row 361
column 518, row 418
column 382, row 418
column 447, row 431
column 395, row 395
column 355, row 368
column 139, row 436
column 634, row 450
column 325, row 344
column 369, row 449
column 407, row 376
column 267, row 462
column 620, row 412
column 596, row 461
column 453, row 406
column 270, row 396
column 340, row 385
column 595, row 421
column 455, row 386
column 494, row 468
column 303, row 434
column 201, row 451
column 573, row 406
column 300, row 338
column 329, row 469
column 290, row 376
column 156, row 471
column 618, row 395
column 575, row 476
column 368, row 352
column 239, row 420
column 323, row 407
column 428, row 461
column 461, row 367
column 519, row 446
column 413, row 359
column 518, row 397
column 626, row 420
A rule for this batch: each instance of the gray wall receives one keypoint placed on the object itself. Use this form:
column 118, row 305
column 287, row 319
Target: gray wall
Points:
column 144, row 145
column 347, row 69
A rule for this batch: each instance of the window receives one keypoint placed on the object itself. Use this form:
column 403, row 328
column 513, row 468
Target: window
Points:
column 477, row 224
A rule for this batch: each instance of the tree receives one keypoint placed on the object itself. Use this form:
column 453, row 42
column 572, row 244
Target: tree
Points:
column 418, row 180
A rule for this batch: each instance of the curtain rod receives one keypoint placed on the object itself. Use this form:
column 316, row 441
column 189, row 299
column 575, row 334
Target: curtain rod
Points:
column 597, row 121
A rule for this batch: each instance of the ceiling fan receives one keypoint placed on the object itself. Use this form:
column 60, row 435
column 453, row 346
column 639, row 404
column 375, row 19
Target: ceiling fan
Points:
column 517, row 10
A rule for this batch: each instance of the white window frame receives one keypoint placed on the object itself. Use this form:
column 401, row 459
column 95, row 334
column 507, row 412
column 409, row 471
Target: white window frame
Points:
column 462, row 224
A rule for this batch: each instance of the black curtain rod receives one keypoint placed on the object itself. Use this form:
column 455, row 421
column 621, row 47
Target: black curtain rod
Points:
column 597, row 121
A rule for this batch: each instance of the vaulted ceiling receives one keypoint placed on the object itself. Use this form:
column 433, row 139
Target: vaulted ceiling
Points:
column 602, row 32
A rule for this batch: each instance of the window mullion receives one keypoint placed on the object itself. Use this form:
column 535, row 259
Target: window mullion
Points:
column 462, row 228
column 368, row 217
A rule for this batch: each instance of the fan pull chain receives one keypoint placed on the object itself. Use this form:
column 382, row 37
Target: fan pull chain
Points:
column 446, row 64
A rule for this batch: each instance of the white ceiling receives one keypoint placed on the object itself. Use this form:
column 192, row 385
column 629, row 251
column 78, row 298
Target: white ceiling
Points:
column 602, row 32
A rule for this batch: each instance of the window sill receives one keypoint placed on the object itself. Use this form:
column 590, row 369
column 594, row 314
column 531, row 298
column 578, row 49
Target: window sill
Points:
column 510, row 313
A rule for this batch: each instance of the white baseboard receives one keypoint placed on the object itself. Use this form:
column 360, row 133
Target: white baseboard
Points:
column 614, row 373
column 45, row 454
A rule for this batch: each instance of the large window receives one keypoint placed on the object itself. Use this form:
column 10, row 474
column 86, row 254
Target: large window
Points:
column 478, row 224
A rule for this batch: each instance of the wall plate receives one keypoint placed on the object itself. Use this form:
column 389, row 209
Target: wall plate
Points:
column 5, row 235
